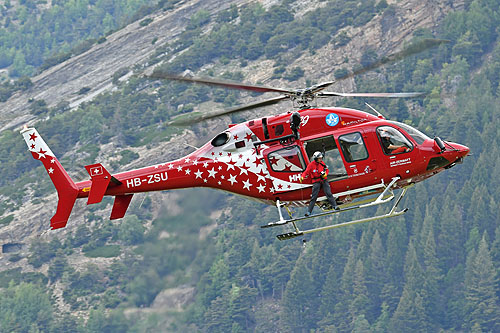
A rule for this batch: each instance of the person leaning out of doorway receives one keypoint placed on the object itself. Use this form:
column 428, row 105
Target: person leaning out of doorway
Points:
column 317, row 171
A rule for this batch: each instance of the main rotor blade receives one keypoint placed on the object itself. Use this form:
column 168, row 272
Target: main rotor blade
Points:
column 219, row 83
column 194, row 117
column 381, row 95
column 414, row 48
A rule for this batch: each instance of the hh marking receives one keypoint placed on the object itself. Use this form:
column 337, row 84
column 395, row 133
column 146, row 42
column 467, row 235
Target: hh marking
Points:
column 294, row 178
column 150, row 179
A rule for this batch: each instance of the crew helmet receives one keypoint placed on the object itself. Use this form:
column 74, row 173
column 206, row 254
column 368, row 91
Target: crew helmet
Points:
column 317, row 155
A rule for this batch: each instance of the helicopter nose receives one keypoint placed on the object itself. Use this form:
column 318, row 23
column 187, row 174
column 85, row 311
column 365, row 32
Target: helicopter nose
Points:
column 462, row 150
column 458, row 152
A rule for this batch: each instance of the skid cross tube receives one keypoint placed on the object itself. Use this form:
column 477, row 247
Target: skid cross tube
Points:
column 392, row 213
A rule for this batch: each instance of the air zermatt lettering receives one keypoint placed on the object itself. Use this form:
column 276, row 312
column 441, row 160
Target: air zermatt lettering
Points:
column 400, row 162
column 149, row 179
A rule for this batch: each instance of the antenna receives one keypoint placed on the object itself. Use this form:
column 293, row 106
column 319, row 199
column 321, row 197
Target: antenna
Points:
column 374, row 110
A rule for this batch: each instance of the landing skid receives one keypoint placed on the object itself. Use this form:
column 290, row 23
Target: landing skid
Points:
column 384, row 197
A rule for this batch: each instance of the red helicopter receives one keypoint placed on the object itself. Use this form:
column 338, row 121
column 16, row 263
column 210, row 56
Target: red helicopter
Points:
column 369, row 157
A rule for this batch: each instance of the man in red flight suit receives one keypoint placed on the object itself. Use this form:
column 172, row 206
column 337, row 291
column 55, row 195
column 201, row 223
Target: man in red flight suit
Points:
column 318, row 172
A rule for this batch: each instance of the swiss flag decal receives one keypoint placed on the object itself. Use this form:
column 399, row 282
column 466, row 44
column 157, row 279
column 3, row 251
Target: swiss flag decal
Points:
column 96, row 171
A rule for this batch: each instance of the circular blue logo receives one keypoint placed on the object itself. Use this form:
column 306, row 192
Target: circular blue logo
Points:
column 332, row 119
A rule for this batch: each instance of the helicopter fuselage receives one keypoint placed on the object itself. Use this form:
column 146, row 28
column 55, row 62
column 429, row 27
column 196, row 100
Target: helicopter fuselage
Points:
column 262, row 159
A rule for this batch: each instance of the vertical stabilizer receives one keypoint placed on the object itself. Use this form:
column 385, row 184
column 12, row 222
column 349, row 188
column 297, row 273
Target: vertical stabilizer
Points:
column 66, row 188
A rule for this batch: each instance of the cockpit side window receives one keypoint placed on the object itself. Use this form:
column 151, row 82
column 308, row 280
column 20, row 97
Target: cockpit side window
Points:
column 393, row 141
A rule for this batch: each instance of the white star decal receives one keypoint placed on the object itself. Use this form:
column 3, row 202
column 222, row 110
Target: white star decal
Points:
column 50, row 170
column 260, row 177
column 220, row 168
column 261, row 188
column 271, row 190
column 188, row 172
column 222, row 177
column 246, row 184
column 179, row 168
column 187, row 160
column 219, row 182
column 232, row 179
column 170, row 166
column 230, row 166
column 212, row 173
column 195, row 162
column 205, row 180
column 198, row 174
column 243, row 170
column 52, row 161
column 205, row 165
column 156, row 166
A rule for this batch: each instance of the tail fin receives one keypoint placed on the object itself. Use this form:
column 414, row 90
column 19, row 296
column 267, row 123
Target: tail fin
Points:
column 66, row 188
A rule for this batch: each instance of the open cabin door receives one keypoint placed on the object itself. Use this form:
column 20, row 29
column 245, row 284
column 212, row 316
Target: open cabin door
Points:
column 332, row 158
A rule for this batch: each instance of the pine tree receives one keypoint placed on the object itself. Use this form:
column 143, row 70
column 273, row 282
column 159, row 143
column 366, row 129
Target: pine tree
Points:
column 382, row 323
column 330, row 292
column 479, row 211
column 361, row 325
column 376, row 276
column 280, row 272
column 432, row 279
column 482, row 303
column 453, row 288
column 298, row 299
column 451, row 236
column 410, row 312
column 396, row 248
column 341, row 318
column 217, row 316
column 359, row 303
column 495, row 254
column 242, row 299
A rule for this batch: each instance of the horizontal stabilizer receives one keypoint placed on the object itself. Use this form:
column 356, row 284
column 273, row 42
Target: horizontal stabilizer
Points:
column 100, row 180
column 120, row 206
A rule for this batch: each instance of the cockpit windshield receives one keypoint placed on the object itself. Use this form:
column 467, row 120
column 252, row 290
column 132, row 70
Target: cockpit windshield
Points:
column 418, row 136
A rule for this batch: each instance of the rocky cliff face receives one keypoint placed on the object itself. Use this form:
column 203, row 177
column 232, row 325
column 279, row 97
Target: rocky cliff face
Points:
column 126, row 48
column 131, row 48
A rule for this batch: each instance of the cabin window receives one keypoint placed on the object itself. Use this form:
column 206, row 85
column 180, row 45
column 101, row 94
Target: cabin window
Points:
column 220, row 139
column 286, row 160
column 278, row 130
column 331, row 153
column 353, row 147
column 393, row 141
column 239, row 144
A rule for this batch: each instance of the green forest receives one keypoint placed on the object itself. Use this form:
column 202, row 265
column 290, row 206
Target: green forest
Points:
column 434, row 269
